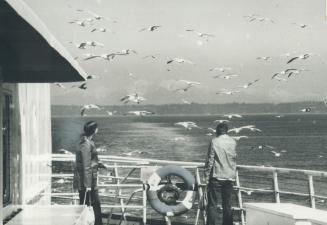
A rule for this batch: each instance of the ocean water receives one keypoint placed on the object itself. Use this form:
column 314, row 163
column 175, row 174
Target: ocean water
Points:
column 300, row 139
column 303, row 138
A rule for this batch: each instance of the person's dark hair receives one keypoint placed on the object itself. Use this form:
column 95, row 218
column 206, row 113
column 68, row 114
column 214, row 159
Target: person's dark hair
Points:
column 222, row 128
column 89, row 128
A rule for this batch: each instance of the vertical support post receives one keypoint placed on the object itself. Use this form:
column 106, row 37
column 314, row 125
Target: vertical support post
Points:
column 200, row 196
column 276, row 187
column 144, row 204
column 240, row 200
column 121, row 200
column 312, row 193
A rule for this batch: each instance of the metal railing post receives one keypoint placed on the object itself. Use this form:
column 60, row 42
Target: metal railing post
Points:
column 312, row 192
column 200, row 196
column 119, row 191
column 144, row 204
column 239, row 196
column 276, row 187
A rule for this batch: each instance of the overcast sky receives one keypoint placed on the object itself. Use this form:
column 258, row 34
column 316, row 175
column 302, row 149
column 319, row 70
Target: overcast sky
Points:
column 236, row 43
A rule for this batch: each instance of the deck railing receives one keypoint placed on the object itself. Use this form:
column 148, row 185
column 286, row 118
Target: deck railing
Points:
column 126, row 175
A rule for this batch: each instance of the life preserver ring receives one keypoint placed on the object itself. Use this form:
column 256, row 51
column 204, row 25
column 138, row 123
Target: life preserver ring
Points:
column 164, row 207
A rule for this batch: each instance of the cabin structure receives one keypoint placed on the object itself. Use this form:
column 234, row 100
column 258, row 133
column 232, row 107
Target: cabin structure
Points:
column 30, row 59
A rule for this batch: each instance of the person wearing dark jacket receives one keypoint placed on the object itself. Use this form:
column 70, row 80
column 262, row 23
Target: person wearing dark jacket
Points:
column 220, row 175
column 86, row 170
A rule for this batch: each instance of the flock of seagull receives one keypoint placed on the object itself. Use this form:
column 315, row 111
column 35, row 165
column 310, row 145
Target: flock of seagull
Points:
column 90, row 21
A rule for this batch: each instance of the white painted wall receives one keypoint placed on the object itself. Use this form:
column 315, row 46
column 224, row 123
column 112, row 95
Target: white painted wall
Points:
column 35, row 116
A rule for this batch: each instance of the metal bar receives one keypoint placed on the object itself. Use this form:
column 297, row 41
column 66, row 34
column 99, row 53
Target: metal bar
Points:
column 276, row 188
column 254, row 189
column 65, row 175
column 240, row 200
column 294, row 193
column 312, row 192
column 283, row 170
column 144, row 204
column 121, row 185
column 126, row 206
column 200, row 196
column 63, row 157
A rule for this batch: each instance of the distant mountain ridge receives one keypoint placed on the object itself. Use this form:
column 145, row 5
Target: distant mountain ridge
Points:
column 195, row 108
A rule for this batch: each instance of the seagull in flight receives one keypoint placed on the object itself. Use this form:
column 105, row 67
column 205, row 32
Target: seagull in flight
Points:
column 189, row 85
column 187, row 125
column 140, row 113
column 302, row 56
column 248, row 84
column 239, row 129
column 88, row 106
column 227, row 77
column 256, row 17
column 212, row 130
column 227, row 92
column 283, row 72
column 103, row 56
column 81, row 23
column 307, row 109
column 180, row 60
column 133, row 152
column 302, row 25
column 296, row 72
column 132, row 98
column 151, row 28
column 264, row 58
column 83, row 45
column 239, row 137
column 200, row 34
column 123, row 52
column 150, row 56
column 230, row 116
column 221, row 69
column 100, row 29
column 186, row 102
column 277, row 154
column 263, row 147
column 82, row 86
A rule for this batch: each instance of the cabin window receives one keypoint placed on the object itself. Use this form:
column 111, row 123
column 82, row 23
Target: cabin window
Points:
column 6, row 135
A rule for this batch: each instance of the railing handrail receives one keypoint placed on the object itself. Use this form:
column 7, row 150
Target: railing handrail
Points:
column 123, row 159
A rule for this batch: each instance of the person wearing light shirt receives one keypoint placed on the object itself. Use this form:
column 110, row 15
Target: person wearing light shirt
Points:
column 220, row 174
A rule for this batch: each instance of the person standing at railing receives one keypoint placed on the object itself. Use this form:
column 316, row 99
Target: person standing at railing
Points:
column 220, row 174
column 86, row 170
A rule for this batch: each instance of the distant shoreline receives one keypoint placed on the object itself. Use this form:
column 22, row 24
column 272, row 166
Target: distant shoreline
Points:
column 195, row 109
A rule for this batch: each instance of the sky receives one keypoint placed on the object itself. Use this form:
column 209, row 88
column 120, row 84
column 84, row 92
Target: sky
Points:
column 237, row 43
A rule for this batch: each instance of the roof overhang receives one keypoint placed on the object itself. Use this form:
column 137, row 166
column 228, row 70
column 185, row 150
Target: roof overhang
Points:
column 29, row 52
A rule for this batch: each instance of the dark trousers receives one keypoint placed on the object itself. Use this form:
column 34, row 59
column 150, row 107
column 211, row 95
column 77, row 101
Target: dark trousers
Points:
column 220, row 189
column 95, row 202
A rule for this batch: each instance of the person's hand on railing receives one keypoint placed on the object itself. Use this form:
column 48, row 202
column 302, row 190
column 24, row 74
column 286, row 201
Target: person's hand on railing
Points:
column 88, row 189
